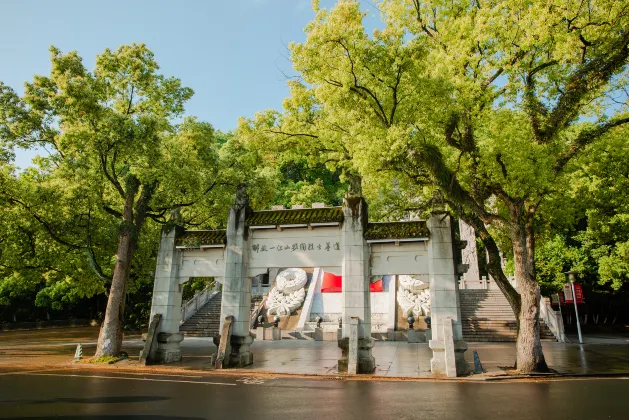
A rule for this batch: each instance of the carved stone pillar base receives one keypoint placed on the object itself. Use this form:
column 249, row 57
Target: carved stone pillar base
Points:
column 366, row 362
column 168, row 347
column 240, row 356
column 438, row 361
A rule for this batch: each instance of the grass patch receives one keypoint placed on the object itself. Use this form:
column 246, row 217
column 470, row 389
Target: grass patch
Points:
column 103, row 360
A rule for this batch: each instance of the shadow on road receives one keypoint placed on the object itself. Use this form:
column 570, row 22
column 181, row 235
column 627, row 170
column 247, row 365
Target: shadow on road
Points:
column 113, row 416
column 92, row 400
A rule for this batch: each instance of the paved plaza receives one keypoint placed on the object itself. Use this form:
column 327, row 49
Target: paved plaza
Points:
column 601, row 355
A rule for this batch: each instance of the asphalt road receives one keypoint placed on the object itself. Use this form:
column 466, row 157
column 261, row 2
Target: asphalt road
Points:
column 81, row 394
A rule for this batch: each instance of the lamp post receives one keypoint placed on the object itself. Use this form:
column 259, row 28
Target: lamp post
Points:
column 571, row 277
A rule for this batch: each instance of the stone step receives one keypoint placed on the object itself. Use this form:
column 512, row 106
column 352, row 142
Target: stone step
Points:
column 506, row 310
column 495, row 313
column 201, row 334
column 488, row 310
column 200, row 329
column 500, row 302
column 208, row 317
column 492, row 309
column 482, row 292
column 206, row 321
column 482, row 302
column 203, row 330
column 485, row 307
column 487, row 316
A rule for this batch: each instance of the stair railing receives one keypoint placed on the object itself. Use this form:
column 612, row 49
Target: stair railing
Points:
column 552, row 319
column 199, row 299
column 256, row 311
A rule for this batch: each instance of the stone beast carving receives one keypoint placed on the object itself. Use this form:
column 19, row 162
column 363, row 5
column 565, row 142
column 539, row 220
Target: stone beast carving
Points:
column 289, row 292
column 413, row 296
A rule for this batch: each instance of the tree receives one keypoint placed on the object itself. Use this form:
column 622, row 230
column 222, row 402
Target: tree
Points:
column 117, row 155
column 52, row 271
column 600, row 183
column 488, row 103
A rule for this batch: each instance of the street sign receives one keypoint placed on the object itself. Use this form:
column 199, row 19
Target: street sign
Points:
column 578, row 291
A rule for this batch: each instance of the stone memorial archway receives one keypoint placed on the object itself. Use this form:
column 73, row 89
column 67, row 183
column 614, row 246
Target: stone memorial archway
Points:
column 336, row 240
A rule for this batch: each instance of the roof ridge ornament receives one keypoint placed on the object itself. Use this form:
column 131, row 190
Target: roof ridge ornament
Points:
column 242, row 198
column 355, row 186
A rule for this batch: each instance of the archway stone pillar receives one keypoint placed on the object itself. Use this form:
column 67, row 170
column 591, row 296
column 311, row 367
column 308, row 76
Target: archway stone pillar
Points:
column 444, row 297
column 356, row 300
column 236, row 297
column 167, row 293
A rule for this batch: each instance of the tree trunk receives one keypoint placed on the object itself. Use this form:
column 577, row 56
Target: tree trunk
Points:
column 529, row 354
column 110, row 337
column 111, row 332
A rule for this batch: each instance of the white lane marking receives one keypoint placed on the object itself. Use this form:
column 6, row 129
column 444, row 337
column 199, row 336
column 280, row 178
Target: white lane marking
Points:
column 129, row 379
column 159, row 374
column 250, row 381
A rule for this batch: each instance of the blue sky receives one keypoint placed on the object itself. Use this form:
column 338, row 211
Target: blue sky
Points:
column 231, row 52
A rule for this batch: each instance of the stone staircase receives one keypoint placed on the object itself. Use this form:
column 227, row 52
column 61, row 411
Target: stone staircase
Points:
column 206, row 321
column 487, row 316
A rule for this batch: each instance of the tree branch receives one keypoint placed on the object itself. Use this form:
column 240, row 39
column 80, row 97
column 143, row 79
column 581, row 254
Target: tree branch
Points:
column 584, row 138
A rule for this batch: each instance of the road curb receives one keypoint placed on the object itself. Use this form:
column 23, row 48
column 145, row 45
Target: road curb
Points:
column 175, row 370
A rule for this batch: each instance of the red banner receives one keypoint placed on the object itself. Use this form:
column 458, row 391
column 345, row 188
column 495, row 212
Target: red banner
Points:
column 334, row 284
column 331, row 283
column 578, row 291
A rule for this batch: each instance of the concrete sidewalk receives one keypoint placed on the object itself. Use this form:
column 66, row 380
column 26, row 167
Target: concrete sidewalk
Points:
column 600, row 355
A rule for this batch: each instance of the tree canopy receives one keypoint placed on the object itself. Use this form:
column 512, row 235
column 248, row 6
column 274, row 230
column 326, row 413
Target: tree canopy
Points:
column 488, row 103
column 119, row 156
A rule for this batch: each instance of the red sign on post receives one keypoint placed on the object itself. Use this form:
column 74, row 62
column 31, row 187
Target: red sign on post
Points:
column 578, row 291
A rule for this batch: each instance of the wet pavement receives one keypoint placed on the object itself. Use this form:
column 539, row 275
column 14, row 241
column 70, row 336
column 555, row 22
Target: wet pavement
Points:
column 65, row 393
column 601, row 355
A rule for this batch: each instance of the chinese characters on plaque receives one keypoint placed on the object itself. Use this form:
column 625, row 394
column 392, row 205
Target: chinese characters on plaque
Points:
column 293, row 247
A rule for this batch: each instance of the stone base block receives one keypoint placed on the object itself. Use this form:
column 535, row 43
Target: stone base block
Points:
column 330, row 336
column 240, row 356
column 414, row 336
column 438, row 361
column 168, row 347
column 366, row 362
column 260, row 333
column 318, row 334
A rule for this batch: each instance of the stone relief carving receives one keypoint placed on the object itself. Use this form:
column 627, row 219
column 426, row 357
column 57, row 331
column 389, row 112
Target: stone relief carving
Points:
column 289, row 292
column 413, row 296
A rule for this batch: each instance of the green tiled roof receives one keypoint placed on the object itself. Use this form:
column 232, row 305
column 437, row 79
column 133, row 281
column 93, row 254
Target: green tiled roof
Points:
column 397, row 230
column 198, row 238
column 295, row 216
